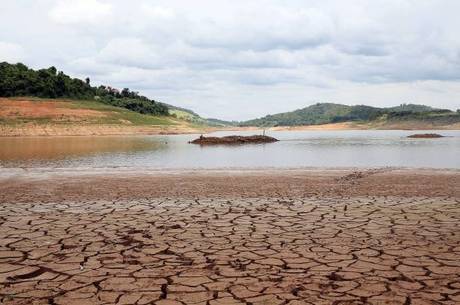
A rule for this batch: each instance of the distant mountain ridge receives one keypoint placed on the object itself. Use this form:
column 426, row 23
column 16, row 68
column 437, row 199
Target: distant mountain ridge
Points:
column 325, row 113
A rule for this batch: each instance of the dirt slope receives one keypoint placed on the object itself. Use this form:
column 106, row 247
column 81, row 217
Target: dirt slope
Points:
column 38, row 117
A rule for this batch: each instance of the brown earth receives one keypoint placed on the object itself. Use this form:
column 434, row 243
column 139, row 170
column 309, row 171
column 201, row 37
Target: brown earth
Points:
column 29, row 117
column 92, row 130
column 383, row 236
column 56, row 110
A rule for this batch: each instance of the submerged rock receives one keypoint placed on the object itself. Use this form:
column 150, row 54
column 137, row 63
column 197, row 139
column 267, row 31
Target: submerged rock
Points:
column 426, row 136
column 234, row 140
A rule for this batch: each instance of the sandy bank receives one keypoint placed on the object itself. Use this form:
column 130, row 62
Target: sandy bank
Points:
column 92, row 130
column 107, row 130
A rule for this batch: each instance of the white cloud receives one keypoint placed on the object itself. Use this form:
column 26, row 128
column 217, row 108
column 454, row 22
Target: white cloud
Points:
column 264, row 29
column 80, row 11
column 156, row 12
column 129, row 52
column 241, row 59
column 11, row 52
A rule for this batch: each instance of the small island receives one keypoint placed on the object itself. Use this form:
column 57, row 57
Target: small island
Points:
column 426, row 136
column 229, row 140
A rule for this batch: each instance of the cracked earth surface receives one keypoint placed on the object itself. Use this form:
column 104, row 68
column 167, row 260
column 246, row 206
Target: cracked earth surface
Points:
column 312, row 239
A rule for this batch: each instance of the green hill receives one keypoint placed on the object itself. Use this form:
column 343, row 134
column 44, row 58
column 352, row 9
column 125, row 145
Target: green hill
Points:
column 325, row 113
column 194, row 118
column 18, row 80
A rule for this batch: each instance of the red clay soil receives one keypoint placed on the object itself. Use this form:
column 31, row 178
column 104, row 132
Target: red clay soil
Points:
column 11, row 109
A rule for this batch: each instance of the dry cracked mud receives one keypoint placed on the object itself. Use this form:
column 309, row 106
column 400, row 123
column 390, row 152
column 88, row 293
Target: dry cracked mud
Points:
column 307, row 238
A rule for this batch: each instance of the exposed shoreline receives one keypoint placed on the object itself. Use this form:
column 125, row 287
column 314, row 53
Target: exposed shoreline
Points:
column 294, row 182
column 51, row 130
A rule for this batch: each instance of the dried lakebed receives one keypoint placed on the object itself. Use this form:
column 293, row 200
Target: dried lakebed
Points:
column 319, row 237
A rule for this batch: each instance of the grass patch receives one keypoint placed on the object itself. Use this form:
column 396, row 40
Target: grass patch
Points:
column 117, row 115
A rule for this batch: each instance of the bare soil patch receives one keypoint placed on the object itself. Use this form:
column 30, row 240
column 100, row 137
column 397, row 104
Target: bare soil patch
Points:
column 55, row 110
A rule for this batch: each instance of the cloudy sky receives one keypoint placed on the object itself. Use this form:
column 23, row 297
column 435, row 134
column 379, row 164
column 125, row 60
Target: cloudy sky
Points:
column 243, row 59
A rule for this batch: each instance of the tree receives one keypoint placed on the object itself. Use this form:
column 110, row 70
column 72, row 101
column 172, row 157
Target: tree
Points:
column 125, row 92
column 52, row 70
column 19, row 80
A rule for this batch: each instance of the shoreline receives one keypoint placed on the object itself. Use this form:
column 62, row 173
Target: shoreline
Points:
column 110, row 183
column 55, row 130
column 102, row 171
column 44, row 173
column 95, row 130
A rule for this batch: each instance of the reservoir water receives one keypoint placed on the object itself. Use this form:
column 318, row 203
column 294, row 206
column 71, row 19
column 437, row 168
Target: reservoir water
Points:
column 369, row 148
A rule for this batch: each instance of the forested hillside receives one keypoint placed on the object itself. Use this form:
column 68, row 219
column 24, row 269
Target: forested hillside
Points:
column 19, row 80
column 324, row 113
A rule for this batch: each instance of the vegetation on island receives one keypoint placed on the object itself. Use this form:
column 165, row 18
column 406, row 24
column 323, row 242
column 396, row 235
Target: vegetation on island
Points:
column 232, row 140
column 426, row 136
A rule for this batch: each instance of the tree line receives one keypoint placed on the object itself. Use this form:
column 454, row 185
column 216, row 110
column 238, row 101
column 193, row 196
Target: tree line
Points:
column 325, row 113
column 19, row 80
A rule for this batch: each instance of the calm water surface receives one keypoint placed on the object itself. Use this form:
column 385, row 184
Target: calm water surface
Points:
column 296, row 149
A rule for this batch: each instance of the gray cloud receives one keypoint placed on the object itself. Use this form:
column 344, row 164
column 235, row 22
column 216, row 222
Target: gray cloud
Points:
column 237, row 60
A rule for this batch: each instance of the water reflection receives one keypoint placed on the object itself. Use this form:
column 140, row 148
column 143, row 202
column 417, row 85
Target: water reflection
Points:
column 54, row 148
column 296, row 149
